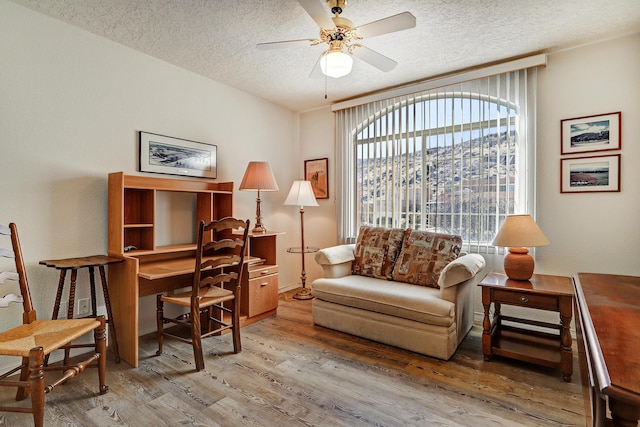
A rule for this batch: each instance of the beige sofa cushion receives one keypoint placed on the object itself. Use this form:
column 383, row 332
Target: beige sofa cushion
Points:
column 376, row 251
column 423, row 256
column 396, row 299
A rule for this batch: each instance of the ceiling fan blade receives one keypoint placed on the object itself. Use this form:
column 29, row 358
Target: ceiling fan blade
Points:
column 401, row 21
column 317, row 11
column 316, row 72
column 374, row 58
column 287, row 43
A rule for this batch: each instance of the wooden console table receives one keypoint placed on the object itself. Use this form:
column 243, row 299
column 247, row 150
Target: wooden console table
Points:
column 608, row 309
column 542, row 292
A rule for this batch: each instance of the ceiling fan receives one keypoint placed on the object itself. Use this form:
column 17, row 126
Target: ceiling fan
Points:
column 340, row 35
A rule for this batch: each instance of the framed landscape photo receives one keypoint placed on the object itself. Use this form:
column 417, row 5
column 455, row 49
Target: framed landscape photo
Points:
column 317, row 171
column 175, row 156
column 591, row 133
column 590, row 174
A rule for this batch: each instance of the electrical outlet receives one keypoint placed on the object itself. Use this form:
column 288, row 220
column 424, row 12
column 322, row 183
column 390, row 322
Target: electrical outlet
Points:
column 62, row 313
column 83, row 306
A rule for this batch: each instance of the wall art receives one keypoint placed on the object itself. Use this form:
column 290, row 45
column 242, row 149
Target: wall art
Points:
column 175, row 156
column 591, row 133
column 317, row 171
column 590, row 174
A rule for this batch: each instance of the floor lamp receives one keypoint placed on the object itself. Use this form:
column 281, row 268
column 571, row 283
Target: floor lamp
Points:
column 259, row 177
column 301, row 194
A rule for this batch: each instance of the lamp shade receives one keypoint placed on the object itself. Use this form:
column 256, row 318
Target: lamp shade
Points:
column 301, row 194
column 336, row 63
column 259, row 177
column 520, row 231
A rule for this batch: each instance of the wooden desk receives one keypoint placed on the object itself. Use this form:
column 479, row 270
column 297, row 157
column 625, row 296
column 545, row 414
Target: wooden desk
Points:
column 608, row 309
column 541, row 292
column 154, row 272
column 150, row 269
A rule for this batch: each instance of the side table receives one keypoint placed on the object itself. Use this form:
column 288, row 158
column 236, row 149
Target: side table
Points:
column 89, row 262
column 541, row 292
column 304, row 293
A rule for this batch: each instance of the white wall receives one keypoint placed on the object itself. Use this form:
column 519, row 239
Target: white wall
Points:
column 71, row 104
column 588, row 232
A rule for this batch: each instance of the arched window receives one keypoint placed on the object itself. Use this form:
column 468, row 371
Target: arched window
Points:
column 453, row 160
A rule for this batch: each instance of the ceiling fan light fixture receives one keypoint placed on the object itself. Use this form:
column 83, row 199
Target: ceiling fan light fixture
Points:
column 336, row 64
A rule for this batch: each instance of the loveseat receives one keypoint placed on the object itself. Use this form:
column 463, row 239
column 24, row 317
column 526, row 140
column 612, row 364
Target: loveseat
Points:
column 407, row 288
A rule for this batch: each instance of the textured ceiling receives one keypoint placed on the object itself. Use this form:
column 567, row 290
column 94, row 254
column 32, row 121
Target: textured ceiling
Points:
column 217, row 38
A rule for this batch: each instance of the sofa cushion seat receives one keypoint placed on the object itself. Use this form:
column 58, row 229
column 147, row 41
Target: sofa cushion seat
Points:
column 387, row 297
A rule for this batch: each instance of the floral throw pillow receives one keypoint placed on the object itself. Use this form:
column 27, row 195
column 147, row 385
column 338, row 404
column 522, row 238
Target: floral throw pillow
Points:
column 376, row 251
column 423, row 256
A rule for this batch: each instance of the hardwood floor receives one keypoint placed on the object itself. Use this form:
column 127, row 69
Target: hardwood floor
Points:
column 291, row 373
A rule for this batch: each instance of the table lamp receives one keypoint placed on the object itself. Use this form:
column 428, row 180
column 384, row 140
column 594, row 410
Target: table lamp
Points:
column 518, row 232
column 259, row 177
column 301, row 194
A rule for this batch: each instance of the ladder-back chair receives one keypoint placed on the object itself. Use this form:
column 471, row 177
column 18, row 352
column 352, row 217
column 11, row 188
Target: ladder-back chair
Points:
column 34, row 340
column 214, row 297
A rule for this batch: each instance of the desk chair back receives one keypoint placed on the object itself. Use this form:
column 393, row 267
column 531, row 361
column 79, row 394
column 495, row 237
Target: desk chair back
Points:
column 214, row 297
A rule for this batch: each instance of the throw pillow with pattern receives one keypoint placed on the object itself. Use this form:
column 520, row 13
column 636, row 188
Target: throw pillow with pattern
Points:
column 423, row 256
column 376, row 251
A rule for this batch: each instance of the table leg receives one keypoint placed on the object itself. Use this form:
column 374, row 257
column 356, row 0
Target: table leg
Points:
column 623, row 414
column 112, row 324
column 94, row 302
column 72, row 303
column 486, row 325
column 566, row 358
column 56, row 304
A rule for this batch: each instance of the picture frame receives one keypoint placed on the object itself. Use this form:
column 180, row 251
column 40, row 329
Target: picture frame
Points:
column 317, row 171
column 176, row 156
column 590, row 174
column 601, row 132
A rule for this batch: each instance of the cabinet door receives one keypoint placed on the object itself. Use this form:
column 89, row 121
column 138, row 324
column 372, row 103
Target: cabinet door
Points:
column 263, row 294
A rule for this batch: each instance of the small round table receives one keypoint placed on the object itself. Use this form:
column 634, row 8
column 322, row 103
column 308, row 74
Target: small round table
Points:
column 89, row 262
column 305, row 293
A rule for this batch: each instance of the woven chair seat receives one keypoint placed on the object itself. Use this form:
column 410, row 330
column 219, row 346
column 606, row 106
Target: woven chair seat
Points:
column 209, row 296
column 48, row 334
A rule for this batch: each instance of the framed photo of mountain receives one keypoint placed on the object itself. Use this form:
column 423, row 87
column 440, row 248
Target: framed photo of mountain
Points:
column 176, row 156
column 591, row 133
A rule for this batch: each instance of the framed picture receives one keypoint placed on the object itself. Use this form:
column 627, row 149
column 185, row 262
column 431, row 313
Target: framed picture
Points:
column 317, row 171
column 590, row 174
column 175, row 156
column 591, row 133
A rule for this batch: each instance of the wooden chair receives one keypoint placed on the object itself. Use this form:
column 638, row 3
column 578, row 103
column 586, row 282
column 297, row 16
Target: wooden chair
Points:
column 215, row 293
column 36, row 339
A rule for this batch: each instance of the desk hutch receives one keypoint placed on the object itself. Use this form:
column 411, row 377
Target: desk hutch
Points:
column 149, row 269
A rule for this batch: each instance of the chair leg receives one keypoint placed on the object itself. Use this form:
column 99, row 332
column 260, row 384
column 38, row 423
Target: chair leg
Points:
column 235, row 330
column 159, row 321
column 23, row 392
column 36, row 378
column 196, row 338
column 100, row 338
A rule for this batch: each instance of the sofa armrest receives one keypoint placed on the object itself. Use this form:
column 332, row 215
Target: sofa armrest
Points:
column 461, row 269
column 336, row 260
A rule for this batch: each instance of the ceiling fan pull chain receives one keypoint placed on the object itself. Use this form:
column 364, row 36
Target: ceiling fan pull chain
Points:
column 325, row 86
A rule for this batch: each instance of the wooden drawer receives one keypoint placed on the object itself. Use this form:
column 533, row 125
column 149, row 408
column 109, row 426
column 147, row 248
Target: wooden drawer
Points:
column 523, row 299
column 263, row 294
column 262, row 270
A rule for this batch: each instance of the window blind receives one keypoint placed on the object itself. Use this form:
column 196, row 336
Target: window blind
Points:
column 455, row 159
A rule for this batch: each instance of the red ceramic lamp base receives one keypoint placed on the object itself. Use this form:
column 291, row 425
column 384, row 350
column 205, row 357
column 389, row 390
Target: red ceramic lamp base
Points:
column 518, row 264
